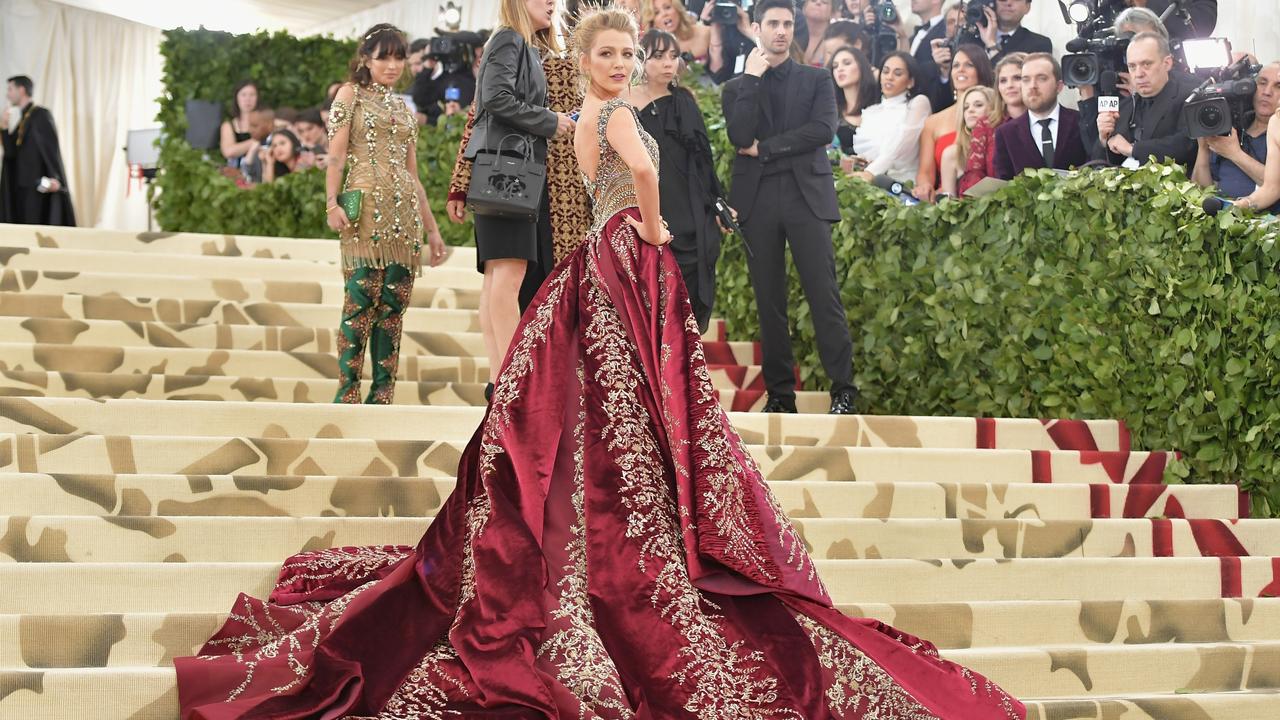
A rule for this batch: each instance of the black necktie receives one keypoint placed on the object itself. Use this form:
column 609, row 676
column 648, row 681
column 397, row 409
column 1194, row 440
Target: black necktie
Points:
column 1046, row 142
column 1004, row 42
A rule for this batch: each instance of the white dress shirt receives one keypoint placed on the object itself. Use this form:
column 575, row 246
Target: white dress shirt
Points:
column 890, row 136
column 1052, row 117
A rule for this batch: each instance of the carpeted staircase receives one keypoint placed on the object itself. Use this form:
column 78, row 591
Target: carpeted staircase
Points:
column 166, row 440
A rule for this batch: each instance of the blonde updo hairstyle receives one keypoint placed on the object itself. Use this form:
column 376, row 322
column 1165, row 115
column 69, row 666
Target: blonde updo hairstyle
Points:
column 589, row 27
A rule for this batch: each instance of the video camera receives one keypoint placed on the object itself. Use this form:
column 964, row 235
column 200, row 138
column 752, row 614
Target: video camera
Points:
column 455, row 49
column 884, row 39
column 1225, row 100
column 1089, row 57
column 725, row 12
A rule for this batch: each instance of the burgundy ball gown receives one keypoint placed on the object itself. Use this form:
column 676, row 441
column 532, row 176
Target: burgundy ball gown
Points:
column 610, row 551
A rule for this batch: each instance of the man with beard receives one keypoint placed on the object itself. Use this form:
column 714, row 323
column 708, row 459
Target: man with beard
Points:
column 781, row 116
column 33, row 185
column 1047, row 135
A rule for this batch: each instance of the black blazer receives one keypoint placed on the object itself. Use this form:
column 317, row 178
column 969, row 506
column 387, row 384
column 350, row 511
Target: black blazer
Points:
column 799, row 136
column 1024, row 41
column 1017, row 149
column 511, row 96
column 930, row 83
column 1166, row 133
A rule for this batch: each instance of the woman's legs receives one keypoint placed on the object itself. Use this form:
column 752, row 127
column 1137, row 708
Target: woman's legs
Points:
column 361, row 289
column 499, row 303
column 384, row 341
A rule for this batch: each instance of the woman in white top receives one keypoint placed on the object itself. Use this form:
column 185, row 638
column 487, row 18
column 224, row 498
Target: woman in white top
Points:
column 889, row 139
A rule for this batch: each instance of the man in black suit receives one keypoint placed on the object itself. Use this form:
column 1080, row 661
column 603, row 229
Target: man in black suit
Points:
column 933, row 26
column 1011, row 36
column 782, row 116
column 1047, row 135
column 1150, row 124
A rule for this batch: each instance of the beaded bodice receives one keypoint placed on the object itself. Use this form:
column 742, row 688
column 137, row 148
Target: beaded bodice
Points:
column 614, row 188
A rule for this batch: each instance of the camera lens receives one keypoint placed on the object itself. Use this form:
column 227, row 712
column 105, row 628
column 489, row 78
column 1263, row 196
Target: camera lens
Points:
column 1210, row 116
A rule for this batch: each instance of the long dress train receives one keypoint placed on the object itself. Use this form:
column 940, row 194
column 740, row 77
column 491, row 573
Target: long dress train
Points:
column 610, row 551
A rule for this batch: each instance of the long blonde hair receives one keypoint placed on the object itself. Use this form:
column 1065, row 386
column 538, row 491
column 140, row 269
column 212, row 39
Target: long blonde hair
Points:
column 995, row 116
column 513, row 14
column 684, row 27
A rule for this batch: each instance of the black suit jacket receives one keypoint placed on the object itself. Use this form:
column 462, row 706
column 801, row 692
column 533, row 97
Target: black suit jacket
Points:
column 1024, row 41
column 799, row 136
column 930, row 82
column 1165, row 134
column 511, row 96
column 1017, row 148
column 1204, row 18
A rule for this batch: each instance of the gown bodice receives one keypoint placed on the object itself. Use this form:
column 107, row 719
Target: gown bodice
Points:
column 614, row 188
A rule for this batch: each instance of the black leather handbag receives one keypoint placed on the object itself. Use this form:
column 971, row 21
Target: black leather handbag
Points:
column 506, row 181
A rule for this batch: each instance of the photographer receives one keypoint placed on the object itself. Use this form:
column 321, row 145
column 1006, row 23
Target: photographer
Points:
column 1150, row 124
column 1235, row 164
column 1268, row 194
column 1011, row 36
column 929, row 39
column 732, row 39
column 425, row 89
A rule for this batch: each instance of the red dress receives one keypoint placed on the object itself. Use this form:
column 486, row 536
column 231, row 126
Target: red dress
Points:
column 939, row 147
column 610, row 551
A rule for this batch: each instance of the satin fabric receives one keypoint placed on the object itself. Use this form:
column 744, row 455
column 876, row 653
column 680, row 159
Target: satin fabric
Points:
column 610, row 551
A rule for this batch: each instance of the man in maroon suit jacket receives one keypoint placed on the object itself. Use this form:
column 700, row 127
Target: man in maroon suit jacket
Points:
column 1047, row 135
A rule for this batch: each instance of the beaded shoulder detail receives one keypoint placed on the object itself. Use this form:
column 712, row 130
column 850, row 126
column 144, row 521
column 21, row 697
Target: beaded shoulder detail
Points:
column 614, row 188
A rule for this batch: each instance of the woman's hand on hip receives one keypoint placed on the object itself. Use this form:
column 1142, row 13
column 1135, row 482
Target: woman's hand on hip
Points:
column 653, row 233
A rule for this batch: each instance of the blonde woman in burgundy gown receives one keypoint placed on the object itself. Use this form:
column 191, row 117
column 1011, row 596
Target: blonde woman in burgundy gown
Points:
column 610, row 550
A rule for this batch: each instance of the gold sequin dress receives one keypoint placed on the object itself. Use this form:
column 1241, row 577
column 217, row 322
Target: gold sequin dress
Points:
column 383, row 138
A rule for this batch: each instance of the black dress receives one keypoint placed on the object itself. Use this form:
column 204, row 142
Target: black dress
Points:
column 687, row 188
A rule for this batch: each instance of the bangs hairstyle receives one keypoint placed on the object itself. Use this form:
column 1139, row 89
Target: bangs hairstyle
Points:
column 515, row 15
column 684, row 26
column 383, row 40
column 655, row 42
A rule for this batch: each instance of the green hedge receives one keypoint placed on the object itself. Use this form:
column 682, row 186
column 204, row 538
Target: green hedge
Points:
column 1108, row 294
column 192, row 195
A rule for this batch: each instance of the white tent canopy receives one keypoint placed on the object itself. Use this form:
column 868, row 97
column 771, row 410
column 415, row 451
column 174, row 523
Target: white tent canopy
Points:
column 97, row 65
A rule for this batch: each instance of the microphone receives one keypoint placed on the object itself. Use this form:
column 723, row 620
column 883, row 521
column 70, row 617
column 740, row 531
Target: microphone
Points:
column 894, row 188
column 1108, row 95
column 1213, row 205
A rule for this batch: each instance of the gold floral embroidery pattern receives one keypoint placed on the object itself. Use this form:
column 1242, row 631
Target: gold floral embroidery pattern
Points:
column 727, row 476
column 729, row 681
column 477, row 516
column 583, row 663
column 272, row 640
column 856, row 686
column 335, row 564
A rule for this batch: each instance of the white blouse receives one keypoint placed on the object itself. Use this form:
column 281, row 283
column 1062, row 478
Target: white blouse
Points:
column 890, row 136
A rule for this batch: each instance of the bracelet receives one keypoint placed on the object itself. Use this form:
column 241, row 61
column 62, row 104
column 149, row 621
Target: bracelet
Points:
column 332, row 208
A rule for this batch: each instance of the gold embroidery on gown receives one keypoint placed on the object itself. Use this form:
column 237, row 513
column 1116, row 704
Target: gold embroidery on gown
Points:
column 384, row 134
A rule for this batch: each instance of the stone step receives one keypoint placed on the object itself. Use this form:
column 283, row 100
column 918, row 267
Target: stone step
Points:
column 140, row 386
column 245, row 290
column 134, row 495
column 323, row 250
column 119, row 333
column 79, row 538
column 151, row 694
column 205, row 266
column 158, row 417
column 154, row 639
column 303, row 450
column 230, row 312
column 211, row 587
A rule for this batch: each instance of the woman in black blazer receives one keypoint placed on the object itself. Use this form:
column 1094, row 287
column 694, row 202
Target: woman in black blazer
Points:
column 511, row 97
